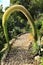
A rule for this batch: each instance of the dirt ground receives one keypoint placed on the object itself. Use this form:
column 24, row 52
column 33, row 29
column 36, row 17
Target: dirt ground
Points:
column 20, row 52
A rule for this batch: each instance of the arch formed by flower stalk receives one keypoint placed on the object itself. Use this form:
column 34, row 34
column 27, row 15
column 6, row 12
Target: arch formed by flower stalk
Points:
column 23, row 10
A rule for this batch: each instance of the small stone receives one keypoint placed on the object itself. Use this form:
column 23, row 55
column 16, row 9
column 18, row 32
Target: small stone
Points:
column 37, row 57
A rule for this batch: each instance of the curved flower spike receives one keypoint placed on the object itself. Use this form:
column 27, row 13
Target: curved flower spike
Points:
column 25, row 12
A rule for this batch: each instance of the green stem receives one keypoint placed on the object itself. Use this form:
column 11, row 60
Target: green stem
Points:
column 25, row 12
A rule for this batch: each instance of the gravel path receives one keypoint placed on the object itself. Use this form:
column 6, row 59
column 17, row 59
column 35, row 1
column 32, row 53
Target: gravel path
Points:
column 20, row 53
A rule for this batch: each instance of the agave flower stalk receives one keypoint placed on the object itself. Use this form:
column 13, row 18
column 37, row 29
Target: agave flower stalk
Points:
column 23, row 10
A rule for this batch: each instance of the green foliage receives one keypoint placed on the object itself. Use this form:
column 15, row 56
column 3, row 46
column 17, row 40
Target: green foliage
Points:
column 35, row 48
column 39, row 24
column 41, row 60
column 17, row 24
column 34, row 6
column 2, row 38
